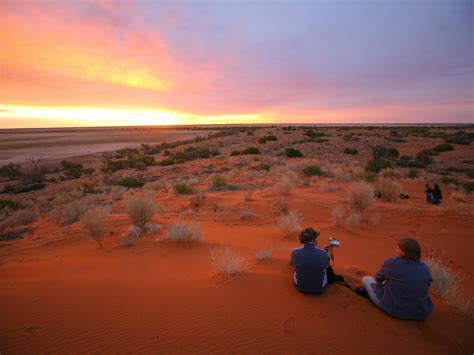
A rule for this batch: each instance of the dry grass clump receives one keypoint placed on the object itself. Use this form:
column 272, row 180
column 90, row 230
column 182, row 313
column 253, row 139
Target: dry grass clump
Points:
column 353, row 220
column 337, row 214
column 361, row 196
column 131, row 238
column 72, row 212
column 19, row 218
column 229, row 263
column 340, row 175
column 289, row 223
column 263, row 254
column 219, row 181
column 181, row 232
column 141, row 210
column 248, row 195
column 458, row 196
column 284, row 187
column 94, row 222
column 389, row 189
column 445, row 285
column 246, row 215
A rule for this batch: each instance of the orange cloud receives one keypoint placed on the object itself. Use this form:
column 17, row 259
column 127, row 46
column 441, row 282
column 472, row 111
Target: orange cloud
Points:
column 60, row 45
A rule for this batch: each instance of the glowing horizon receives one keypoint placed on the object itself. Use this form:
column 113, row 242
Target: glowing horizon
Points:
column 126, row 63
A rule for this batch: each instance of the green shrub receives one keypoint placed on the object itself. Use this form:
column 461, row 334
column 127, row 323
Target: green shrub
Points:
column 351, row 151
column 444, row 147
column 88, row 171
column 10, row 171
column 424, row 157
column 268, row 138
column 380, row 152
column 312, row 170
column 469, row 186
column 265, row 166
column 460, row 139
column 250, row 150
column 219, row 181
column 368, row 176
column 183, row 189
column 166, row 162
column 73, row 171
column 376, row 165
column 234, row 153
column 293, row 153
column 8, row 203
column 131, row 182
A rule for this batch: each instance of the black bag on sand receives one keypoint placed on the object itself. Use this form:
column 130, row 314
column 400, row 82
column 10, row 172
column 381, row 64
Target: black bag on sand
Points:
column 332, row 277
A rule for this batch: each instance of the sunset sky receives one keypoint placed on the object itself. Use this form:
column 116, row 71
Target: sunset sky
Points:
column 100, row 63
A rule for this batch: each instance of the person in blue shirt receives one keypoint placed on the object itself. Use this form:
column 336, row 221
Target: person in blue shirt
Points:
column 400, row 288
column 310, row 264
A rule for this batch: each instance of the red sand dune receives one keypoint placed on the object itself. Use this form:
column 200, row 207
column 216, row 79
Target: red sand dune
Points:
column 60, row 294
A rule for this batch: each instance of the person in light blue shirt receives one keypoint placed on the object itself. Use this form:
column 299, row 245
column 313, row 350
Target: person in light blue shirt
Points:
column 310, row 264
column 400, row 287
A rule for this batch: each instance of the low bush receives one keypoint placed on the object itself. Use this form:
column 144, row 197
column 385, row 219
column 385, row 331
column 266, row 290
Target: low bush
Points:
column 94, row 222
column 469, row 186
column 181, row 232
column 183, row 189
column 73, row 212
column 289, row 224
column 166, row 162
column 130, row 182
column 293, row 153
column 10, row 171
column 376, row 165
column 229, row 263
column 388, row 189
column 391, row 173
column 449, row 180
column 412, row 174
column 444, row 147
column 250, row 150
column 141, row 210
column 20, row 218
column 268, row 138
column 361, row 196
column 264, row 166
column 197, row 200
column 219, row 181
column 8, row 203
column 235, row 153
column 312, row 170
column 350, row 151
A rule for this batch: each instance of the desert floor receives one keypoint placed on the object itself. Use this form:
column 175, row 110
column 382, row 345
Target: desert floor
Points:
column 17, row 146
column 59, row 293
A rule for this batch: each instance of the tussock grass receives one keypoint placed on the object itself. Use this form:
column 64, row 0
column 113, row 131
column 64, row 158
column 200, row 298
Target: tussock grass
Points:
column 289, row 224
column 263, row 254
column 141, row 210
column 337, row 214
column 182, row 232
column 284, row 186
column 353, row 220
column 94, row 222
column 389, row 189
column 229, row 263
column 361, row 196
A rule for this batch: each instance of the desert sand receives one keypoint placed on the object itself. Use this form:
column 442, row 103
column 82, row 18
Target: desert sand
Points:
column 60, row 293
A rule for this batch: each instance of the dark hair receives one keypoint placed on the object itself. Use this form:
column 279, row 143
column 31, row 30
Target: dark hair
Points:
column 410, row 248
column 308, row 235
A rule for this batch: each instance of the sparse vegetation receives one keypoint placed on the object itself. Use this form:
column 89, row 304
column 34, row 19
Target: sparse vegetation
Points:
column 337, row 214
column 293, row 153
column 284, row 187
column 444, row 147
column 350, row 151
column 219, row 181
column 263, row 254
column 361, row 196
column 268, row 138
column 289, row 224
column 94, row 222
column 183, row 189
column 250, row 150
column 229, row 263
column 10, row 171
column 389, row 189
column 353, row 220
column 131, row 182
column 312, row 170
column 181, row 232
column 141, row 210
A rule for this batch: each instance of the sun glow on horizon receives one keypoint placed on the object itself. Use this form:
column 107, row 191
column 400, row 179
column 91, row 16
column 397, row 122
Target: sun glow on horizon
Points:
column 21, row 116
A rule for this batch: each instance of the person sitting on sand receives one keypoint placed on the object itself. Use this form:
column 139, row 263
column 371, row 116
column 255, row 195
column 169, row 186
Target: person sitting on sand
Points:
column 430, row 196
column 400, row 288
column 310, row 264
column 437, row 193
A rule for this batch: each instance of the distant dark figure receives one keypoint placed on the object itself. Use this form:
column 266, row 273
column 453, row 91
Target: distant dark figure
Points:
column 430, row 197
column 437, row 193
column 404, row 196
column 400, row 288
